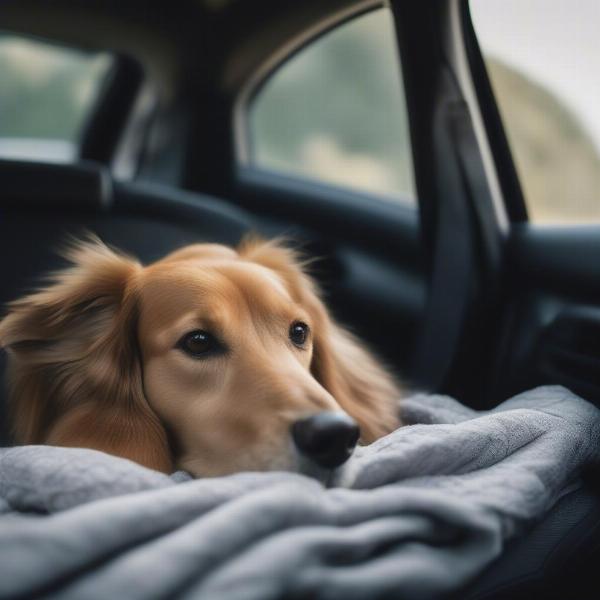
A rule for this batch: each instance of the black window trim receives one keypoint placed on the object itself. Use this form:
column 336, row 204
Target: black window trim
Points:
column 508, row 177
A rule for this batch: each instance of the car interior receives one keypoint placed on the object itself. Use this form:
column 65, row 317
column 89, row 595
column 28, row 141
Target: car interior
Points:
column 459, row 293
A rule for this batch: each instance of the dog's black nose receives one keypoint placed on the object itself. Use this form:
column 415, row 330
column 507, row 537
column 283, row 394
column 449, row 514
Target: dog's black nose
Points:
column 327, row 438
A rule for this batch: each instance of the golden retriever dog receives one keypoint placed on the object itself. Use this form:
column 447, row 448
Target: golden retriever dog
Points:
column 212, row 360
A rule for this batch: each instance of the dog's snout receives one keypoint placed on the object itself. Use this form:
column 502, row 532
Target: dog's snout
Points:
column 327, row 438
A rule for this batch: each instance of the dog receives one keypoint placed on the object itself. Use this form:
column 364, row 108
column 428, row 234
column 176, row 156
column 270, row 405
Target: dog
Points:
column 213, row 360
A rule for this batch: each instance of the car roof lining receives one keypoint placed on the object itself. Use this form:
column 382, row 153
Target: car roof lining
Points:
column 89, row 28
column 169, row 44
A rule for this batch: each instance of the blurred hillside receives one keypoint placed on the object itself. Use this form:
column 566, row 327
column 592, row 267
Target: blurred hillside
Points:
column 557, row 161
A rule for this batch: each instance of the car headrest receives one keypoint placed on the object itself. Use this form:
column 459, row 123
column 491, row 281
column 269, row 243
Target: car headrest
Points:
column 80, row 186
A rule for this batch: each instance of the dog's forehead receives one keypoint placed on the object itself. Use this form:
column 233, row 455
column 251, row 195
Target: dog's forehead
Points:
column 202, row 283
column 196, row 252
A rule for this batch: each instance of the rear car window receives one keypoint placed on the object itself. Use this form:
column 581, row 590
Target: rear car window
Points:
column 46, row 93
column 543, row 61
column 335, row 112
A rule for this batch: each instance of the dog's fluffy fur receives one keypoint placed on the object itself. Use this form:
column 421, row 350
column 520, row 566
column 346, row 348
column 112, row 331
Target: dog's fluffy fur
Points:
column 94, row 359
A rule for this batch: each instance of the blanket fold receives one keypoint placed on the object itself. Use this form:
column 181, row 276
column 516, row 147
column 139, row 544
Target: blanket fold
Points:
column 416, row 514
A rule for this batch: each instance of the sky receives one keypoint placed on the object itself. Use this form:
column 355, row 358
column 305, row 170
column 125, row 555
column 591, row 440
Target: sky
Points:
column 555, row 42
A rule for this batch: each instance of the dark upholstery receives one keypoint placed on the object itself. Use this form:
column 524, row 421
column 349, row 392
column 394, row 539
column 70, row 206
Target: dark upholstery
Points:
column 41, row 185
column 558, row 558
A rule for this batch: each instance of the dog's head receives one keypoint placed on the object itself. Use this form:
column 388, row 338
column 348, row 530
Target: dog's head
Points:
column 212, row 359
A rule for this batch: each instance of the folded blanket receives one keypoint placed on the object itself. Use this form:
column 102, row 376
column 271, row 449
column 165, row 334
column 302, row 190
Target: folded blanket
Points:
column 416, row 514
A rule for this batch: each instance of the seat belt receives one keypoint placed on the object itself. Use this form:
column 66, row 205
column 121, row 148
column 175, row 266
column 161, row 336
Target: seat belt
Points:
column 452, row 266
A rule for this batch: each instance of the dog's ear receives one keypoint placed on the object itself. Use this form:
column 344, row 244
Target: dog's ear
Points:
column 74, row 369
column 357, row 380
column 341, row 363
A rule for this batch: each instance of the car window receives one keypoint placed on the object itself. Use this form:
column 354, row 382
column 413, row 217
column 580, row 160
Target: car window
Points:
column 543, row 62
column 335, row 112
column 46, row 92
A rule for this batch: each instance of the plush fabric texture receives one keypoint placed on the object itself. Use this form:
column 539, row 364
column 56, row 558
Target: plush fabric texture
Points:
column 418, row 513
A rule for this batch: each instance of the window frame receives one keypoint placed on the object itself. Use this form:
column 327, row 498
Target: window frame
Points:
column 508, row 177
column 106, row 125
column 245, row 171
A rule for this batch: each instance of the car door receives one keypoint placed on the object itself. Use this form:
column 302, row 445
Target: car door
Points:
column 537, row 84
column 527, row 73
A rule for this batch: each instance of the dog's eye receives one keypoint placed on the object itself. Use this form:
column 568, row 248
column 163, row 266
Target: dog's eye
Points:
column 198, row 343
column 299, row 333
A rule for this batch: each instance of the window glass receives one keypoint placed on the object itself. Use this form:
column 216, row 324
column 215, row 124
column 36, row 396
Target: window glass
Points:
column 335, row 112
column 46, row 92
column 543, row 61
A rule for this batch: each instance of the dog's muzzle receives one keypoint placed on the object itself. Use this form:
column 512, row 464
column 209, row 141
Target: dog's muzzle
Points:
column 327, row 438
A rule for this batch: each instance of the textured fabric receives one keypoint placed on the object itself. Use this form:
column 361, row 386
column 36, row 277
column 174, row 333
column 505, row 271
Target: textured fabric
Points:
column 416, row 514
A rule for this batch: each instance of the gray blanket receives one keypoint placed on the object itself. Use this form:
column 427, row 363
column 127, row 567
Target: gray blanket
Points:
column 416, row 514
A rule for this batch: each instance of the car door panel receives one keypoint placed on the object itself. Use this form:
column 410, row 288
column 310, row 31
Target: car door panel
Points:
column 552, row 322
